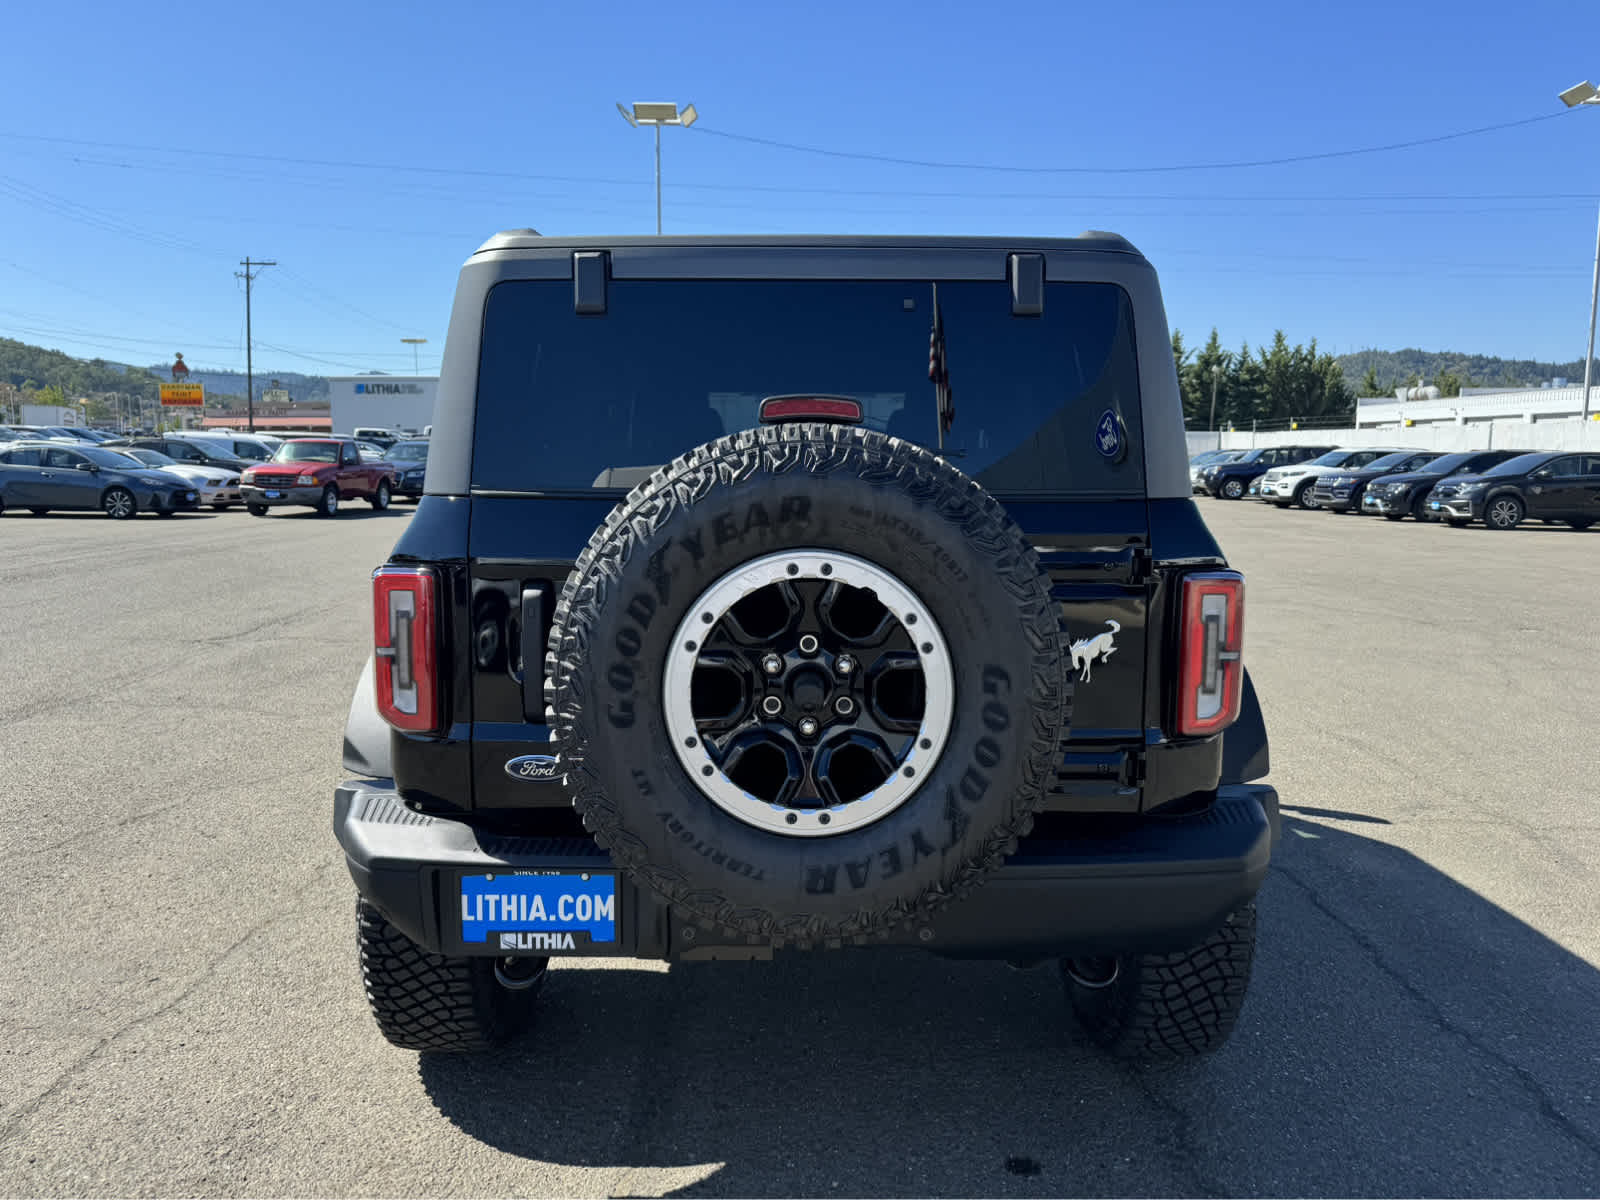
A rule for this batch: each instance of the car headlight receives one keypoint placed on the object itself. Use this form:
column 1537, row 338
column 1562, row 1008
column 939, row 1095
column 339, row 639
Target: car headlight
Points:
column 306, row 480
column 1467, row 489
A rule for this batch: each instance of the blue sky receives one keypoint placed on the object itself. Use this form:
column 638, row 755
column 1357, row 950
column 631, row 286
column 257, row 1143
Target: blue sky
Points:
column 369, row 148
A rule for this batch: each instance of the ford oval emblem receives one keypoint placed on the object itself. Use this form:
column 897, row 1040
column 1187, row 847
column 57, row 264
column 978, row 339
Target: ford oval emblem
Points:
column 532, row 766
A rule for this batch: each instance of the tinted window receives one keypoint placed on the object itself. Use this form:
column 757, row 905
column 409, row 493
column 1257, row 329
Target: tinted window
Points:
column 184, row 452
column 65, row 459
column 1569, row 466
column 568, row 402
column 292, row 452
column 1591, row 465
column 409, row 452
column 1517, row 466
column 22, row 458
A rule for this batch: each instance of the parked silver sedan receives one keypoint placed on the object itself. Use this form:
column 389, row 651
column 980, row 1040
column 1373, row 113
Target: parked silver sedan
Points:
column 218, row 486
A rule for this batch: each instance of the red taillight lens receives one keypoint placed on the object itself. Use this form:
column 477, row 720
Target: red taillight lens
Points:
column 405, row 641
column 1210, row 647
column 810, row 408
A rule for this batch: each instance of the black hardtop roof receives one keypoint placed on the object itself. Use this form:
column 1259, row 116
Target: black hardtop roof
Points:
column 1090, row 241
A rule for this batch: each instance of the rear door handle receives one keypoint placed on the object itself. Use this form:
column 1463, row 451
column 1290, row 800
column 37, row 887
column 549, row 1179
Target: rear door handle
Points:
column 530, row 657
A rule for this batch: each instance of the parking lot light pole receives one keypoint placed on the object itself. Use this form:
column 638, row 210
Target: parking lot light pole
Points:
column 1216, row 374
column 657, row 114
column 414, row 343
column 1583, row 94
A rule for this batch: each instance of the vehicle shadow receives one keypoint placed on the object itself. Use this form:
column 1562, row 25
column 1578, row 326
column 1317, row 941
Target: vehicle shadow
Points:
column 1403, row 1036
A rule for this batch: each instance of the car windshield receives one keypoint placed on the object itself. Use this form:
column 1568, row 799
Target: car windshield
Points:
column 409, row 451
column 1518, row 465
column 151, row 458
column 294, row 452
column 1333, row 458
column 1390, row 460
column 1447, row 463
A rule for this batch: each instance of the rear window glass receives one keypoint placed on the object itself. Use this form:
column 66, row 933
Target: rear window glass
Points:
column 575, row 403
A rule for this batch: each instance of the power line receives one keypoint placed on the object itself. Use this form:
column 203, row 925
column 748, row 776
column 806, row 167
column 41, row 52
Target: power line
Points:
column 1285, row 160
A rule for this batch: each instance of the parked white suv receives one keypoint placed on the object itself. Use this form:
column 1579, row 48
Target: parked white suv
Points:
column 1284, row 486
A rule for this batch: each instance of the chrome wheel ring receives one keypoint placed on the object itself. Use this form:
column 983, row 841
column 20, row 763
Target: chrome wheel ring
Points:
column 842, row 766
column 1503, row 513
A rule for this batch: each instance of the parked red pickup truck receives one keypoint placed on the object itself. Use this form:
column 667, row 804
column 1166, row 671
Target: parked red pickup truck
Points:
column 316, row 473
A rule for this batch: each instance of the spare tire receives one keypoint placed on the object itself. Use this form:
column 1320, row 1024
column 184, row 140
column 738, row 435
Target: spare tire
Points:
column 807, row 683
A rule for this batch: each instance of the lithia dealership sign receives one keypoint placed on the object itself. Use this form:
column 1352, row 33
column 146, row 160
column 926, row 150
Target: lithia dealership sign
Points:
column 388, row 389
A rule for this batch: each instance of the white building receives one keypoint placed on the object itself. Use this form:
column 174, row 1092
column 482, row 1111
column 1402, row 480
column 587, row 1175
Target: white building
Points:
column 399, row 402
column 1474, row 405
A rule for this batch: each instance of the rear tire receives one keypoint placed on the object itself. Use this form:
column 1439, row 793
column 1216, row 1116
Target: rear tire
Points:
column 1581, row 524
column 1419, row 507
column 256, row 510
column 427, row 1001
column 221, row 507
column 39, row 512
column 1394, row 516
column 328, row 506
column 1166, row 1006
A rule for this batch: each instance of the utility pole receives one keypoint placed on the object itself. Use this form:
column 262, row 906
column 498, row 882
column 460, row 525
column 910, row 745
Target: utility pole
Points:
column 1594, row 297
column 249, row 364
column 1216, row 374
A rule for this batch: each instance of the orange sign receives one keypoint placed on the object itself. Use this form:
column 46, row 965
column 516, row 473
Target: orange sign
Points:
column 183, row 395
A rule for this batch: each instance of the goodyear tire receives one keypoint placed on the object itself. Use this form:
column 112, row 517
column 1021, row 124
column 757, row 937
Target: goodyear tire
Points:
column 427, row 1001
column 742, row 576
column 1166, row 1006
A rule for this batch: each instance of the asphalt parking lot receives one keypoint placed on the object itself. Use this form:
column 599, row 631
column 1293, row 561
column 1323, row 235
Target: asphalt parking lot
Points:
column 183, row 1013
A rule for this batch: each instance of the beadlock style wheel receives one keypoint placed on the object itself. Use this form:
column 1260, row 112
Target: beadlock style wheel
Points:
column 808, row 693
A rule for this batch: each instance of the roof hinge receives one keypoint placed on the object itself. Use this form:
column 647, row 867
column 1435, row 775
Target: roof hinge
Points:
column 1027, row 284
column 589, row 271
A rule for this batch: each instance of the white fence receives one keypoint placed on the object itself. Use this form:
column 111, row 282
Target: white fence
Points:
column 1507, row 434
column 1519, row 404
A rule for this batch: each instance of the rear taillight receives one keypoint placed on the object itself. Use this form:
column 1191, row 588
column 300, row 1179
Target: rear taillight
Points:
column 1210, row 642
column 405, row 642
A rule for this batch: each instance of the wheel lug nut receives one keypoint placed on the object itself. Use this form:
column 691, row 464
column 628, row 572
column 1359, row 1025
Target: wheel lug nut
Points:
column 808, row 727
column 772, row 706
column 808, row 643
column 844, row 706
column 772, row 664
column 845, row 665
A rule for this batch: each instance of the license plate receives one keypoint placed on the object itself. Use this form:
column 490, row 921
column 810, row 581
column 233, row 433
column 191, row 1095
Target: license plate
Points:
column 273, row 495
column 539, row 910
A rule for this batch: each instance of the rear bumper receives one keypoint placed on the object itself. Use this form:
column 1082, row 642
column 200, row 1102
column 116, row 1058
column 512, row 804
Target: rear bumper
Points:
column 1156, row 884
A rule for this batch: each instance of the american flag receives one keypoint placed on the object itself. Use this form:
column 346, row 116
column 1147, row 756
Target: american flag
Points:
column 939, row 367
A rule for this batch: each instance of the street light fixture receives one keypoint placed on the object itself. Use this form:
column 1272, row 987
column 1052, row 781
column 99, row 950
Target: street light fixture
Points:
column 658, row 114
column 414, row 343
column 1579, row 94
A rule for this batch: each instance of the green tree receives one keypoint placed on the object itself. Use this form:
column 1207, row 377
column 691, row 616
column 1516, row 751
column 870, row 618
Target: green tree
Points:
column 1448, row 383
column 1209, row 370
column 1369, row 382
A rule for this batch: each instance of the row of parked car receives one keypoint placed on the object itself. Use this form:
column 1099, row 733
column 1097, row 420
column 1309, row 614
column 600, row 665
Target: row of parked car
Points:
column 48, row 467
column 1500, row 488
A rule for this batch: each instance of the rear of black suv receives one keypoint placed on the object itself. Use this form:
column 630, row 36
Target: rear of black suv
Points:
column 800, row 593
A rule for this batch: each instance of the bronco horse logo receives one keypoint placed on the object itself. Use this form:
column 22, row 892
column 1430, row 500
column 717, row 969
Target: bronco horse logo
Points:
column 1085, row 650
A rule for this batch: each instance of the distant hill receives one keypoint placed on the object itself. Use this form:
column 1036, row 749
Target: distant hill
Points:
column 31, row 368
column 1394, row 367
column 303, row 389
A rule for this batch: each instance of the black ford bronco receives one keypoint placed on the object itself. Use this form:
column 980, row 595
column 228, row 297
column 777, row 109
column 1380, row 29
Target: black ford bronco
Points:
column 786, row 594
